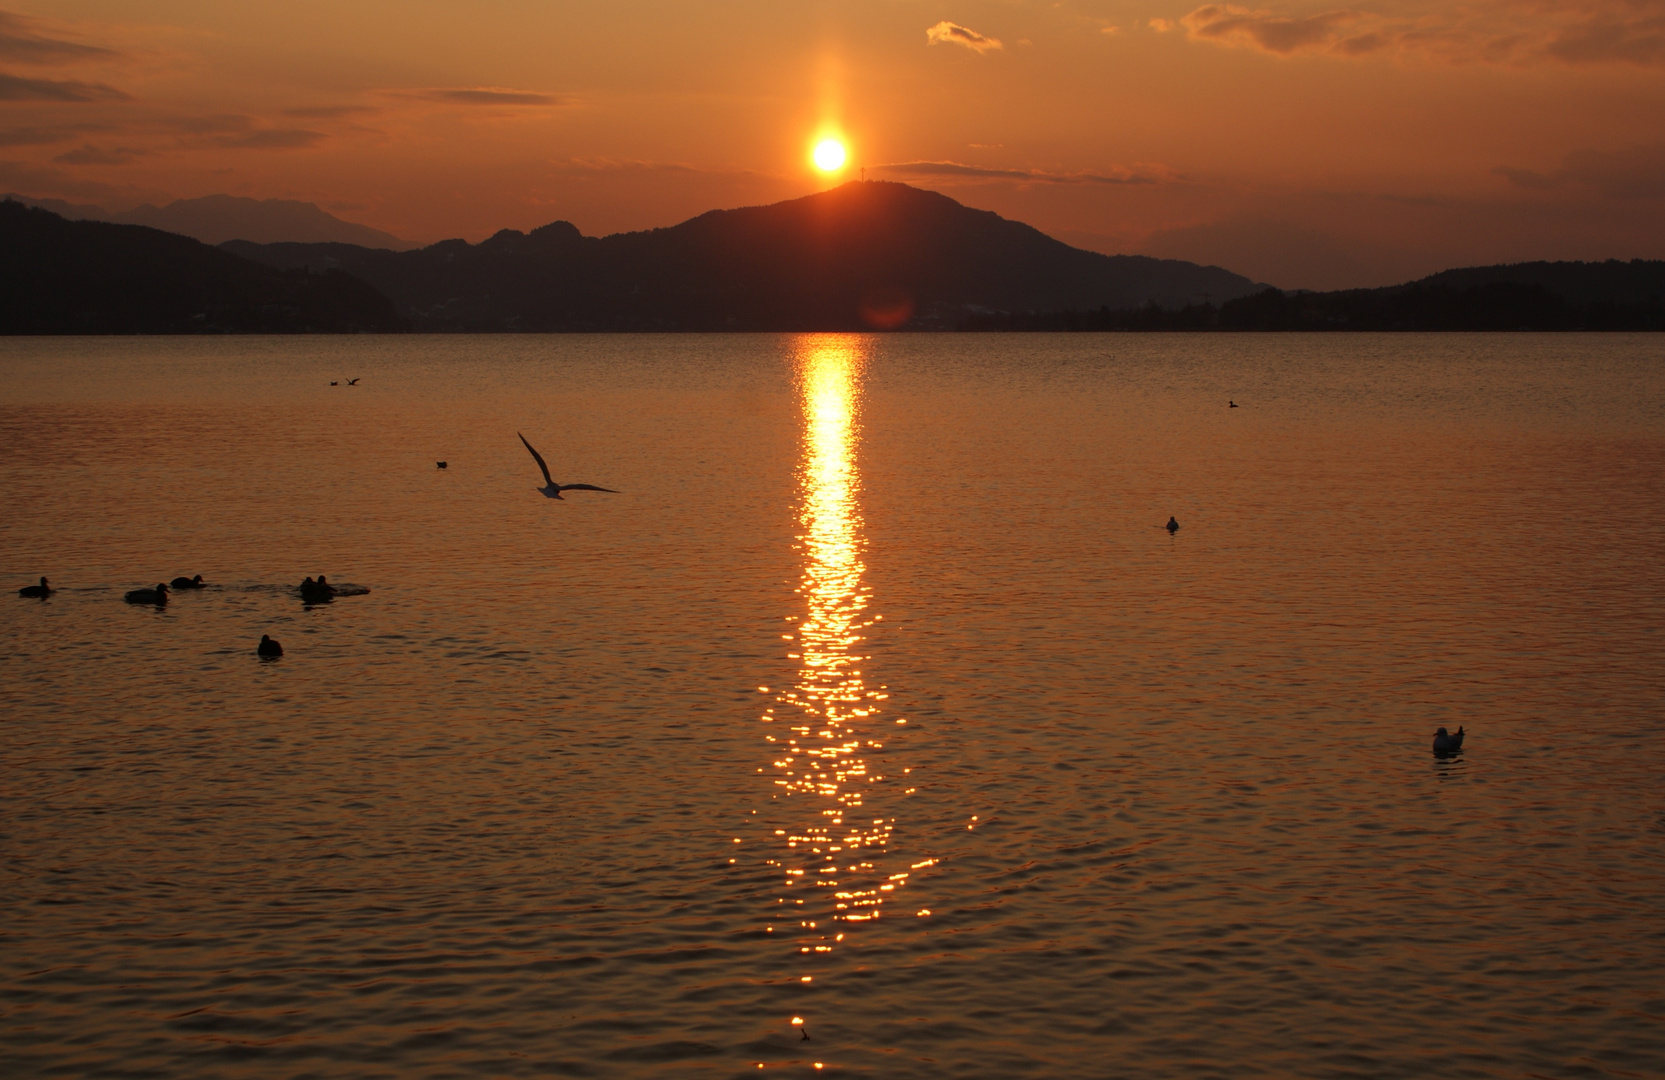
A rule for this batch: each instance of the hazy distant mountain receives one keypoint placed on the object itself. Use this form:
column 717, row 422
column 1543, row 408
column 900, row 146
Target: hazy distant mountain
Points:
column 1608, row 295
column 214, row 219
column 92, row 277
column 863, row 255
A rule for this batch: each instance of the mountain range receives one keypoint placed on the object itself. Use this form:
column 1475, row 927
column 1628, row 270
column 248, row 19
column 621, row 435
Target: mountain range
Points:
column 866, row 255
column 93, row 277
column 214, row 219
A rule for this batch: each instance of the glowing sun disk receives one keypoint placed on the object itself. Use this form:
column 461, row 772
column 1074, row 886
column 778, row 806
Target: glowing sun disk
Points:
column 829, row 155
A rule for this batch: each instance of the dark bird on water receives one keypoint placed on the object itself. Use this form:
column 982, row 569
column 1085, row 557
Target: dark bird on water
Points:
column 188, row 582
column 334, row 383
column 43, row 590
column 442, row 464
column 268, row 647
column 1448, row 744
column 1233, row 404
column 158, row 595
column 1172, row 526
column 553, row 490
column 317, row 590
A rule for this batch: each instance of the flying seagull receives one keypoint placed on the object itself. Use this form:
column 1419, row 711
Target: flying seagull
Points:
column 554, row 490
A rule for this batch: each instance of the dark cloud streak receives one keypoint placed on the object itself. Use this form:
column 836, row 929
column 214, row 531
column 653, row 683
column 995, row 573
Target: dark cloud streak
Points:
column 17, row 88
column 20, row 44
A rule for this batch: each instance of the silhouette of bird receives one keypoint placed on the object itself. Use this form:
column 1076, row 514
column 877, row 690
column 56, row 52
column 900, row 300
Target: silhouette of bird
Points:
column 1172, row 526
column 1448, row 744
column 268, row 647
column 1233, row 404
column 334, row 383
column 188, row 582
column 554, row 490
column 442, row 464
column 43, row 590
column 313, row 591
column 158, row 595
column 354, row 382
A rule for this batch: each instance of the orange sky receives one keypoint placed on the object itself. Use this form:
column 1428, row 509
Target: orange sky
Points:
column 1306, row 144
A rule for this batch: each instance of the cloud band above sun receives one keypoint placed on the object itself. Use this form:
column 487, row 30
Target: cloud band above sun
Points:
column 947, row 33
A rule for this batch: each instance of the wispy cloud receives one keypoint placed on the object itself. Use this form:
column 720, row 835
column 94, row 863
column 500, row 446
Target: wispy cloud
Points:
column 327, row 112
column 1483, row 31
column 45, row 136
column 483, row 95
column 1634, row 173
column 93, row 155
column 22, row 43
column 1029, row 176
column 16, row 88
column 947, row 33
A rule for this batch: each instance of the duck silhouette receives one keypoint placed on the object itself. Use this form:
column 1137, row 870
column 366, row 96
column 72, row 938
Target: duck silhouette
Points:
column 1172, row 526
column 442, row 464
column 157, row 596
column 1448, row 744
column 317, row 590
column 43, row 590
column 1233, row 404
column 188, row 582
column 268, row 648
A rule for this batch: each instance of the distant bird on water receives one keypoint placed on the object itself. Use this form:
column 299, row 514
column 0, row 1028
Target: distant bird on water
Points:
column 442, row 464
column 317, row 590
column 334, row 383
column 41, row 591
column 1233, row 404
column 268, row 648
column 1448, row 744
column 554, row 490
column 1172, row 526
column 158, row 595
column 188, row 582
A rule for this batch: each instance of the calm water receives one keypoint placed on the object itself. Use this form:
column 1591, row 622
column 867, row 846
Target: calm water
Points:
column 878, row 700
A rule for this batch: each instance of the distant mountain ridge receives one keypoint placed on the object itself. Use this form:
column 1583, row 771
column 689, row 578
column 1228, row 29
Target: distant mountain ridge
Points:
column 1609, row 295
column 866, row 255
column 214, row 219
column 95, row 277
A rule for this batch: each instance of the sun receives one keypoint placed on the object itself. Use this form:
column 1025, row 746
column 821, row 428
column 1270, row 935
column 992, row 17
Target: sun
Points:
column 829, row 155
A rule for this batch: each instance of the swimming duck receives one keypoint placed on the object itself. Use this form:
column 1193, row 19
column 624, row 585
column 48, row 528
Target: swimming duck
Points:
column 442, row 464
column 268, row 647
column 158, row 595
column 43, row 590
column 1172, row 526
column 317, row 590
column 188, row 582
column 1448, row 744
column 1231, row 403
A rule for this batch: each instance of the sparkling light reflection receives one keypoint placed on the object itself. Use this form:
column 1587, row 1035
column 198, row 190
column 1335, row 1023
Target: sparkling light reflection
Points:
column 835, row 846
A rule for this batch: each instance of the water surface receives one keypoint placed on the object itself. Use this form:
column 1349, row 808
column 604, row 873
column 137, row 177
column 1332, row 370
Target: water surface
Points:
column 878, row 700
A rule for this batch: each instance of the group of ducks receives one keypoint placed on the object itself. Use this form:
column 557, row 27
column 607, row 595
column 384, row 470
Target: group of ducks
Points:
column 312, row 591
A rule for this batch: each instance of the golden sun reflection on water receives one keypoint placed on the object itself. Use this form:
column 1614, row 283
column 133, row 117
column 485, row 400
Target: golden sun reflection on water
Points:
column 834, row 858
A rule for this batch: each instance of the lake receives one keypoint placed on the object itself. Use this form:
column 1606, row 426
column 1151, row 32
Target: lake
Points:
column 877, row 706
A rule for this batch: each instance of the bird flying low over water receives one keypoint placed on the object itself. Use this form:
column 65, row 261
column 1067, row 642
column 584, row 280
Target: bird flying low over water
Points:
column 553, row 490
column 43, row 590
column 1448, row 744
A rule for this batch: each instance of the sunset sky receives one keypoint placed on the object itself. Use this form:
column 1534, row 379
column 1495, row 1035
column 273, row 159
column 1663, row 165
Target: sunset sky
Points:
column 1306, row 144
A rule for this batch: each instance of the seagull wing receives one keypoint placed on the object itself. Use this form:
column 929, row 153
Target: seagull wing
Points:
column 586, row 487
column 539, row 457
